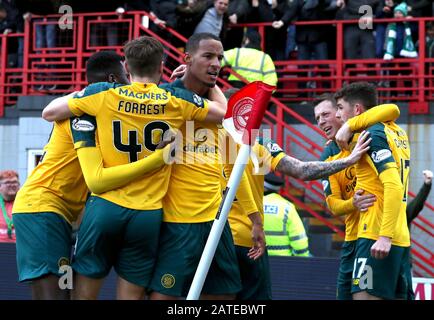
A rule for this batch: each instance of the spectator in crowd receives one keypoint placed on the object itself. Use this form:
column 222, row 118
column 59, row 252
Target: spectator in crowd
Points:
column 189, row 14
column 137, row 5
column 192, row 12
column 214, row 20
column 398, row 36
column 13, row 23
column 281, row 15
column 9, row 186
column 46, row 36
column 8, row 16
column 238, row 12
column 415, row 206
column 399, row 43
column 164, row 11
column 45, row 31
column 291, row 46
column 429, row 44
column 418, row 9
column 330, row 11
column 359, row 43
column 261, row 11
column 284, row 231
column 250, row 62
column 384, row 10
column 9, row 23
column 101, row 33
column 311, row 40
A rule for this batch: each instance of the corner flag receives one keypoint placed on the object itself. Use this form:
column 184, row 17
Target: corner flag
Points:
column 243, row 117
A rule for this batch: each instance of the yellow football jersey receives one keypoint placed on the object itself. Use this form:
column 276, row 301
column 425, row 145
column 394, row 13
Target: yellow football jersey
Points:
column 194, row 192
column 389, row 150
column 131, row 120
column 56, row 184
column 270, row 153
column 339, row 190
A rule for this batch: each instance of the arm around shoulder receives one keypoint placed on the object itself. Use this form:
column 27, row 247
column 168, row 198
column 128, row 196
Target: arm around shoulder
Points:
column 100, row 179
column 58, row 109
column 217, row 106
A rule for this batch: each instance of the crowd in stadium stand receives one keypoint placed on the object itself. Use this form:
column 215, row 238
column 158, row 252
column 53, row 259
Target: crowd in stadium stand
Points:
column 283, row 39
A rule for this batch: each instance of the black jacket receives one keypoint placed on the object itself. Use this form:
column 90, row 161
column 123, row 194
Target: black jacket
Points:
column 307, row 10
column 13, row 20
column 351, row 9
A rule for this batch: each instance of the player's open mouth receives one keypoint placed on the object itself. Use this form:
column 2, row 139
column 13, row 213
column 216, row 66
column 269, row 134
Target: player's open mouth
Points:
column 213, row 74
column 327, row 130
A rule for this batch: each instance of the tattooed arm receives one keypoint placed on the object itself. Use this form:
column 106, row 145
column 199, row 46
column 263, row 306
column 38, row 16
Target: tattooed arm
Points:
column 314, row 170
column 311, row 170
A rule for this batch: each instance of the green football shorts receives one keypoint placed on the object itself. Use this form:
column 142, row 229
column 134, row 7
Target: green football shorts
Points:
column 345, row 273
column 111, row 235
column 180, row 249
column 255, row 276
column 388, row 278
column 44, row 243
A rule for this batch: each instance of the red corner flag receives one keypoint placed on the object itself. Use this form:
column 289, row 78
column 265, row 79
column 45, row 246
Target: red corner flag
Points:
column 245, row 111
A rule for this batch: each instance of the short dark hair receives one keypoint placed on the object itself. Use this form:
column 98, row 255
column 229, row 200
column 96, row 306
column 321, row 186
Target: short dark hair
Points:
column 254, row 38
column 273, row 182
column 325, row 97
column 144, row 56
column 194, row 41
column 359, row 92
column 103, row 63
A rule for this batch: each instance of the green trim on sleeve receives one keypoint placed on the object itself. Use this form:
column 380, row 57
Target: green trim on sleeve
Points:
column 83, row 131
column 187, row 96
column 96, row 88
column 379, row 151
column 330, row 150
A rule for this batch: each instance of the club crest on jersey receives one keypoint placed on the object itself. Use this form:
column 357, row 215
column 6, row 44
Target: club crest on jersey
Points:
column 350, row 173
column 82, row 125
column 380, row 155
column 241, row 112
column 167, row 281
column 63, row 261
column 197, row 99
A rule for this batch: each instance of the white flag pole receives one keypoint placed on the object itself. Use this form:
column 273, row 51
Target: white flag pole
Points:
column 219, row 223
